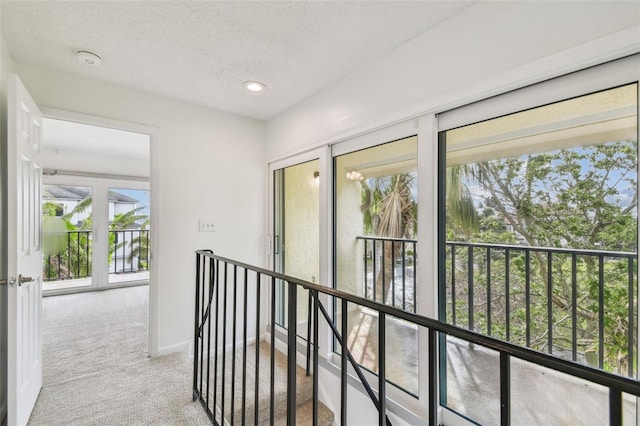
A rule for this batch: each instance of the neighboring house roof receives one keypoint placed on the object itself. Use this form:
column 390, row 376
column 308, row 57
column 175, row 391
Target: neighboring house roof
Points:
column 53, row 192
column 67, row 192
column 121, row 198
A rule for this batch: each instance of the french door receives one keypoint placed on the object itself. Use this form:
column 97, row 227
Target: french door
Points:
column 96, row 233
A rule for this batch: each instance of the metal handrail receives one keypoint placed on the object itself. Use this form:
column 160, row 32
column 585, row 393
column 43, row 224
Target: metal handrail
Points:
column 516, row 247
column 617, row 384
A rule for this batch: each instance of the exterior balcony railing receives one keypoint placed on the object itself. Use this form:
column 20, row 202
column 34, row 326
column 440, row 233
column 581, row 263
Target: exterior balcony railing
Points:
column 389, row 271
column 579, row 305
column 129, row 253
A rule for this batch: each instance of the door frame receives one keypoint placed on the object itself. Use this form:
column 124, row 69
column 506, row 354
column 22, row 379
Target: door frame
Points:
column 325, row 220
column 155, row 188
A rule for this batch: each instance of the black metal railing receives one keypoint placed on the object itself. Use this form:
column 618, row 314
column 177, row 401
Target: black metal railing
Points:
column 128, row 251
column 74, row 261
column 230, row 294
column 556, row 300
column 389, row 271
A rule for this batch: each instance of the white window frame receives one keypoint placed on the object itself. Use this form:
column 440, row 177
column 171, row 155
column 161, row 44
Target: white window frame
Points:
column 578, row 83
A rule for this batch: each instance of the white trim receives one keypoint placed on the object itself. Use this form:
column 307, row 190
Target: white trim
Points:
column 184, row 347
column 580, row 83
column 93, row 120
column 381, row 136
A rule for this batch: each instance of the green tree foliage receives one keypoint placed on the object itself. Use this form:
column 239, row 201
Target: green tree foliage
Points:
column 581, row 198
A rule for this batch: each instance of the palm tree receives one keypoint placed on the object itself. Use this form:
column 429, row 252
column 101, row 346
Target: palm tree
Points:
column 391, row 211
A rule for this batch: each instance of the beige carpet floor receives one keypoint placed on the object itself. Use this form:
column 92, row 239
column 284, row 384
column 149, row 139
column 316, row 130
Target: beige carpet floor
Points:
column 96, row 370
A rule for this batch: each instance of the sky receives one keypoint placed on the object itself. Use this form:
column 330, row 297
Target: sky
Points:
column 141, row 195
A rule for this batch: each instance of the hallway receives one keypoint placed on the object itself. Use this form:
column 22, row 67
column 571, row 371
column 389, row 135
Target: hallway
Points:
column 96, row 370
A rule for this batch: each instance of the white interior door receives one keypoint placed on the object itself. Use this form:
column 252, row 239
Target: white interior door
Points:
column 24, row 182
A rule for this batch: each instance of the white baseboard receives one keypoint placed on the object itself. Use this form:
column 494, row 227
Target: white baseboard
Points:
column 178, row 347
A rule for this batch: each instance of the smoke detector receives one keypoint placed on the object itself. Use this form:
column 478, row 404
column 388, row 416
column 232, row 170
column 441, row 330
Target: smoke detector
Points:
column 89, row 58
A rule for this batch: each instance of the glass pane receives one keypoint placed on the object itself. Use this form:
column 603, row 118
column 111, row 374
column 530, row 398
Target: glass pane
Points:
column 541, row 229
column 629, row 409
column 539, row 396
column 375, row 249
column 473, row 381
column 297, row 231
column 67, row 237
column 129, row 235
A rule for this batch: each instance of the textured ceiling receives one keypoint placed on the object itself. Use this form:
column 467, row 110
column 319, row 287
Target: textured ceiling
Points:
column 202, row 51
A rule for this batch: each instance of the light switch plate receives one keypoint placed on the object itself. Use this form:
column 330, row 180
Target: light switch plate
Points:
column 207, row 226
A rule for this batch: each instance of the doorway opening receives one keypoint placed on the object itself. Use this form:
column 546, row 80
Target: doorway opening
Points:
column 95, row 206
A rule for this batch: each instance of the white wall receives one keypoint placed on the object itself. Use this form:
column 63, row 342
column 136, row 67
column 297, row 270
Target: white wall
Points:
column 6, row 66
column 480, row 43
column 205, row 164
column 489, row 48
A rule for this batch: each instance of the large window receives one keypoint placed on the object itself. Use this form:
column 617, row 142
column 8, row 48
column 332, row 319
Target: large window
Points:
column 538, row 247
column 376, row 204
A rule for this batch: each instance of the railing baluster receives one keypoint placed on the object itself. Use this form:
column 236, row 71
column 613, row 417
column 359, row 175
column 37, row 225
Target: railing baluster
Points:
column 574, row 307
column 366, row 275
column 415, row 301
column 316, row 371
column 272, row 349
column 404, row 281
column 202, row 316
column 549, row 303
column 291, row 354
column 489, row 291
column 244, row 346
column 600, row 311
column 215, row 345
column 343, row 364
column 257, row 354
column 615, row 407
column 470, row 287
column 507, row 295
column 78, row 255
column 196, row 326
column 382, row 379
column 224, row 341
column 453, row 284
column 209, row 294
column 70, row 271
column 309, row 301
column 393, row 274
column 630, row 329
column 383, row 289
column 233, row 343
column 373, row 280
column 505, row 389
column 433, row 377
column 527, row 295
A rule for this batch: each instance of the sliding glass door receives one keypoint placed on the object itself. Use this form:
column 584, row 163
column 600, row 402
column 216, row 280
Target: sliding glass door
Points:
column 296, row 234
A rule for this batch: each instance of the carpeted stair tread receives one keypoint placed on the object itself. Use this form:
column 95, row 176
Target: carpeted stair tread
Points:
column 304, row 384
column 304, row 415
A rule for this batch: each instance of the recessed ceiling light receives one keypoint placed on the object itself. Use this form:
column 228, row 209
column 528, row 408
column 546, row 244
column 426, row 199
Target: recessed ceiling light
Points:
column 254, row 86
column 89, row 58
